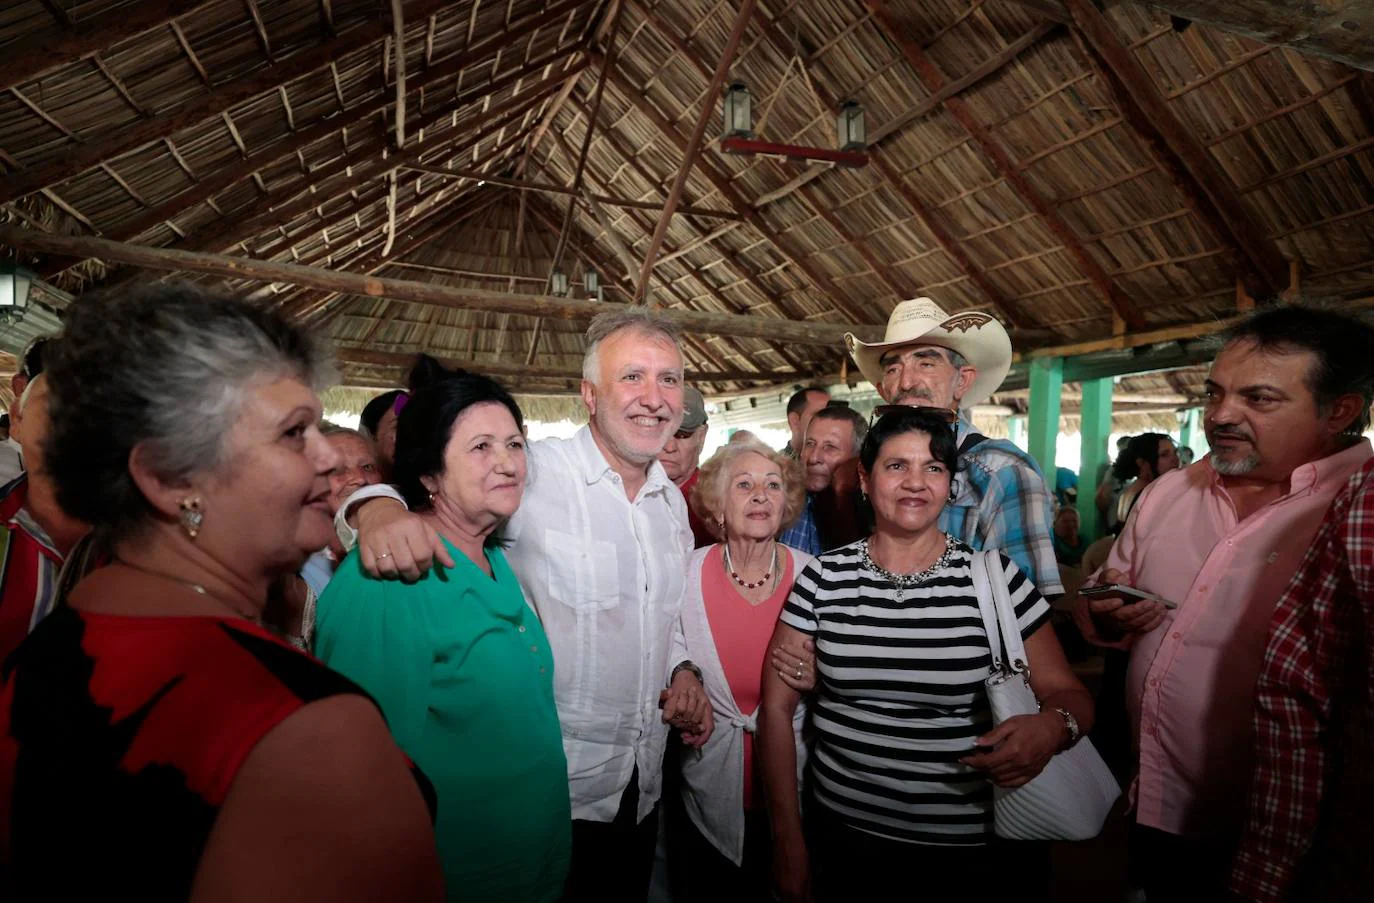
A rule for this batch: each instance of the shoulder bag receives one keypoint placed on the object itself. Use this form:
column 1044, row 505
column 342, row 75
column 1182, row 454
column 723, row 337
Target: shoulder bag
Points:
column 1071, row 798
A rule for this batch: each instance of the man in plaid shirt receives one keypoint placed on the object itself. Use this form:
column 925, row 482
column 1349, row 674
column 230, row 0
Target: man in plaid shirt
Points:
column 1314, row 721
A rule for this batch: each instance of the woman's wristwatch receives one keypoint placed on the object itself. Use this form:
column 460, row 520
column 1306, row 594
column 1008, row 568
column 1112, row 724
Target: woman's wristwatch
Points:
column 1071, row 723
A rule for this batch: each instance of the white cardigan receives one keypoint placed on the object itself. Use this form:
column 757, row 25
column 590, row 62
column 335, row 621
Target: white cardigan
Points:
column 713, row 781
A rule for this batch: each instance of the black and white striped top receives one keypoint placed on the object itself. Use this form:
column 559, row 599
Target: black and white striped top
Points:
column 900, row 697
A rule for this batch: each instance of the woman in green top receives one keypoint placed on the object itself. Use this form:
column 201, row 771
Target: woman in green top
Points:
column 457, row 660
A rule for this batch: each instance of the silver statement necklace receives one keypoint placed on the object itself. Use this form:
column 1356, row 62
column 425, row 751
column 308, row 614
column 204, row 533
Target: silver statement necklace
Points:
column 903, row 582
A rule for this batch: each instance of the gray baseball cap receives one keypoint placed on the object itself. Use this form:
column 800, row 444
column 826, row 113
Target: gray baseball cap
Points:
column 693, row 409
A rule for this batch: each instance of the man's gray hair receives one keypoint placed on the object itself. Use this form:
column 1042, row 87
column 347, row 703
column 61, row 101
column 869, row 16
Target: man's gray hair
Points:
column 640, row 319
column 167, row 367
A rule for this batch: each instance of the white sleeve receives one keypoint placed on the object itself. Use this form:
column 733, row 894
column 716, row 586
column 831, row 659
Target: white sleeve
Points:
column 349, row 536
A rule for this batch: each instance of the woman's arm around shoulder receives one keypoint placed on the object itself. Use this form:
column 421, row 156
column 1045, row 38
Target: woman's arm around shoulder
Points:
column 324, row 808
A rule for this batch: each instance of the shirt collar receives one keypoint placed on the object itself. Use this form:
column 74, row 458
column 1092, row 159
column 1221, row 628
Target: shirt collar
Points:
column 14, row 505
column 593, row 466
column 1318, row 474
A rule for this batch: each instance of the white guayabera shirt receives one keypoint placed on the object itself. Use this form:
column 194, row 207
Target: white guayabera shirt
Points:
column 605, row 575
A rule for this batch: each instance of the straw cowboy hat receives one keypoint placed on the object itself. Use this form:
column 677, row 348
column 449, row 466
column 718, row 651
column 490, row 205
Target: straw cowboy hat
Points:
column 975, row 335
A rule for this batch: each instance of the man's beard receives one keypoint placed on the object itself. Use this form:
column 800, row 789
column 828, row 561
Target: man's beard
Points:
column 1235, row 468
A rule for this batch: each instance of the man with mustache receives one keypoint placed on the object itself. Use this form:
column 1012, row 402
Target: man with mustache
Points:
column 932, row 358
column 832, row 438
column 1287, row 400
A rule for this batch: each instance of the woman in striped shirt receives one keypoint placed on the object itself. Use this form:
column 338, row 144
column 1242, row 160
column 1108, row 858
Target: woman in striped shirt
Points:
column 901, row 781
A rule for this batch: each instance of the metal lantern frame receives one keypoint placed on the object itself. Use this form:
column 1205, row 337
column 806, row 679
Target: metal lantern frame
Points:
column 591, row 281
column 850, row 129
column 737, row 112
column 558, row 283
column 16, row 285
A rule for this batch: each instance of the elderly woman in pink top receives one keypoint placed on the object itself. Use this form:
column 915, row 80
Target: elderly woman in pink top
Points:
column 735, row 590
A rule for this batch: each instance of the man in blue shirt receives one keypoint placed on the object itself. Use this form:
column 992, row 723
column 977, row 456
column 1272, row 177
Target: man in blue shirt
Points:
column 832, row 439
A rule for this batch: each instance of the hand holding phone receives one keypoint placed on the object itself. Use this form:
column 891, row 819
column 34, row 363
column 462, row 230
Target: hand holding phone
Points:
column 1129, row 594
column 1116, row 607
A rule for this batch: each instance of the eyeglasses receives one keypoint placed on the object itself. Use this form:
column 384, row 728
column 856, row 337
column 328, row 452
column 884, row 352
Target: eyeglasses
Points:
column 944, row 414
column 682, row 435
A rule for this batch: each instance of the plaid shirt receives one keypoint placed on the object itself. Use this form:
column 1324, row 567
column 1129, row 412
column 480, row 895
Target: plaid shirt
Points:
column 803, row 535
column 1002, row 503
column 1314, row 720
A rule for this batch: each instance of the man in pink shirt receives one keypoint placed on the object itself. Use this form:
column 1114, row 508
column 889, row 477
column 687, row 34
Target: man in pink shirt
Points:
column 1219, row 540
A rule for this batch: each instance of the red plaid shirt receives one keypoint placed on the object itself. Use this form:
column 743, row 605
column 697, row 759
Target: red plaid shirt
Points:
column 1314, row 721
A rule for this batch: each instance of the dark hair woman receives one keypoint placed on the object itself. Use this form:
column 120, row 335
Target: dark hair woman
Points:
column 156, row 742
column 458, row 661
column 906, row 753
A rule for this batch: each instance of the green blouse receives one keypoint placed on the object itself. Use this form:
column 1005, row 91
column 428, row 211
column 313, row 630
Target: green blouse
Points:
column 464, row 674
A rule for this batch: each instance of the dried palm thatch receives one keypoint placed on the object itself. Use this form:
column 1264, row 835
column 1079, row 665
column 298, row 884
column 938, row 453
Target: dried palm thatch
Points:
column 1086, row 176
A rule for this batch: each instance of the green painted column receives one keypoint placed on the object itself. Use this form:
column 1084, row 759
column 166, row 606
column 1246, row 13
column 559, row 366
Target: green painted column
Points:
column 1046, row 381
column 1016, row 430
column 1095, row 431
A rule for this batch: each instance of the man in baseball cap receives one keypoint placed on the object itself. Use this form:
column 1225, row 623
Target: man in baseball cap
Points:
column 953, row 361
column 682, row 454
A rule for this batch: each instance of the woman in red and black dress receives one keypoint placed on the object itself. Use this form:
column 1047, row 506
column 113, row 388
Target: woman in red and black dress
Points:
column 156, row 741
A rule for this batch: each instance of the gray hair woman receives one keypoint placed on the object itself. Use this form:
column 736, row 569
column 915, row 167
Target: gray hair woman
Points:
column 735, row 590
column 161, row 742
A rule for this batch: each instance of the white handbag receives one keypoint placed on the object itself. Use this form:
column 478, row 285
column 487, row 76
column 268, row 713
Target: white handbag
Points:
column 1071, row 798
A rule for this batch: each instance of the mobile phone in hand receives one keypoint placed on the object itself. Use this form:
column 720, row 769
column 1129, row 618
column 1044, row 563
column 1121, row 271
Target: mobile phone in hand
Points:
column 1130, row 592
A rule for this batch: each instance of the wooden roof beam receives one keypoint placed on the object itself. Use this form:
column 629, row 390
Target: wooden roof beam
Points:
column 1002, row 163
column 608, row 200
column 214, row 184
column 693, row 146
column 1190, row 166
column 731, row 261
column 732, row 196
column 1335, row 29
column 226, row 96
column 1000, row 302
column 492, row 368
column 223, row 265
column 88, row 37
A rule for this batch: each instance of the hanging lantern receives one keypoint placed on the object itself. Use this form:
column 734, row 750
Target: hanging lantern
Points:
column 849, row 127
column 738, row 120
column 558, row 283
column 15, row 282
column 593, row 284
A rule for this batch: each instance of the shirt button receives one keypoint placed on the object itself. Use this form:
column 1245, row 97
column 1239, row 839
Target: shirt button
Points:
column 1202, row 589
column 1177, row 635
column 1154, row 681
column 1273, row 557
column 534, row 648
column 522, row 628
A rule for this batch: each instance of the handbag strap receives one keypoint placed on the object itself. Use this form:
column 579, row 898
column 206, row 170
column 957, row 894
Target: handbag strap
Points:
column 987, row 607
column 999, row 615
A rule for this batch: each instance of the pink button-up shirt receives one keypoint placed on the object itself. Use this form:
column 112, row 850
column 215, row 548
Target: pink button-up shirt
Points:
column 1190, row 689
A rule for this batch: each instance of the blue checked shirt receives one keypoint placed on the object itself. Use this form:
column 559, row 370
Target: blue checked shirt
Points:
column 1002, row 503
column 803, row 535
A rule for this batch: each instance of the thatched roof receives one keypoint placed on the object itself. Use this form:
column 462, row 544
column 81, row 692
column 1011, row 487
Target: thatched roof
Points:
column 1109, row 178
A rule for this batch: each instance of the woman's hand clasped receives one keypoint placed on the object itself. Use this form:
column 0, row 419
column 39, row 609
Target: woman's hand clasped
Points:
column 687, row 709
column 1021, row 747
column 796, row 665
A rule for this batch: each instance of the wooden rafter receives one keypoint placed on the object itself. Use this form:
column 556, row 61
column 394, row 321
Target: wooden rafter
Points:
column 492, row 368
column 265, row 159
column 224, row 265
column 894, row 180
column 933, row 80
column 822, row 282
column 630, row 265
column 82, row 39
column 1204, row 186
column 228, row 95
column 693, row 145
column 609, row 200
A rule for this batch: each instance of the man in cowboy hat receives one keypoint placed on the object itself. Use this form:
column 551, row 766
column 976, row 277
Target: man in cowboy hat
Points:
column 928, row 357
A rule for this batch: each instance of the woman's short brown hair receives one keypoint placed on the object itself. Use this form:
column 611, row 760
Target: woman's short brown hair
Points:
column 708, row 496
